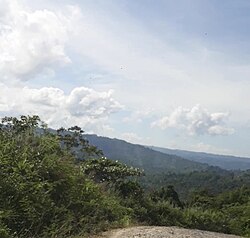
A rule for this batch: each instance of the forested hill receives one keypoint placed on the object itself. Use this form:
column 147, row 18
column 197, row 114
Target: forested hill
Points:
column 223, row 161
column 139, row 156
column 46, row 191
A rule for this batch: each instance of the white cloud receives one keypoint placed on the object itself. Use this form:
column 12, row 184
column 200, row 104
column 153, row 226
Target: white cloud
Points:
column 95, row 103
column 150, row 67
column 51, row 97
column 220, row 130
column 34, row 42
column 82, row 106
column 31, row 41
column 196, row 121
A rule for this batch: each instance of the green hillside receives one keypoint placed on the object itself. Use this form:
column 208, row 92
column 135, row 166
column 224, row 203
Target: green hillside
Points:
column 214, row 181
column 139, row 156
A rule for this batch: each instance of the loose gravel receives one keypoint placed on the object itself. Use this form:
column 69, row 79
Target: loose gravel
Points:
column 162, row 232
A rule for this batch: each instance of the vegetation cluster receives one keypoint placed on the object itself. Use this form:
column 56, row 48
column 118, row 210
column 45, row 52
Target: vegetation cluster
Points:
column 47, row 191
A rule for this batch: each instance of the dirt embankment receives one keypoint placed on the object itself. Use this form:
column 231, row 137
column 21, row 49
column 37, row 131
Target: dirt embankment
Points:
column 162, row 232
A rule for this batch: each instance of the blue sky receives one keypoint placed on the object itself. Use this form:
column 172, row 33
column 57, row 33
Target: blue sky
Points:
column 166, row 73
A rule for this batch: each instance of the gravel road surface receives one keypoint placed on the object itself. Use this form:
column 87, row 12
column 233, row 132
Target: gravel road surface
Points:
column 161, row 232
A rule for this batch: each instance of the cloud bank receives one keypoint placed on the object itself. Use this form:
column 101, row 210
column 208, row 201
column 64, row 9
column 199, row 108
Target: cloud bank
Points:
column 196, row 121
column 82, row 106
column 31, row 42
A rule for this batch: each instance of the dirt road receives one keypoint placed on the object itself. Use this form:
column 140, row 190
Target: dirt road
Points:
column 162, row 232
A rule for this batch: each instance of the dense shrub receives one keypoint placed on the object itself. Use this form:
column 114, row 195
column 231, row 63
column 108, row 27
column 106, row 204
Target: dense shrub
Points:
column 206, row 220
column 44, row 192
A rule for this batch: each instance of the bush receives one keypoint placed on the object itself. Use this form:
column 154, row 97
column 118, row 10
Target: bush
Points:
column 44, row 192
column 206, row 220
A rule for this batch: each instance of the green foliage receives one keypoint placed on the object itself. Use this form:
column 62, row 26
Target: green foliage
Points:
column 4, row 230
column 227, row 212
column 130, row 189
column 163, row 214
column 73, row 140
column 44, row 192
column 214, row 181
column 206, row 220
column 168, row 194
column 108, row 171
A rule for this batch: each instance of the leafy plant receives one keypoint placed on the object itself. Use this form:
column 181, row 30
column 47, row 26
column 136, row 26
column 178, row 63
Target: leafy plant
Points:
column 44, row 190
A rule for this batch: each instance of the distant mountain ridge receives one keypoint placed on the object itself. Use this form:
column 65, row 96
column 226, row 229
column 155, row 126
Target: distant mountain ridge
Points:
column 140, row 156
column 223, row 161
column 157, row 159
column 165, row 159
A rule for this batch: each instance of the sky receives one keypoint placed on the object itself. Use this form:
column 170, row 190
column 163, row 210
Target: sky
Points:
column 174, row 74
